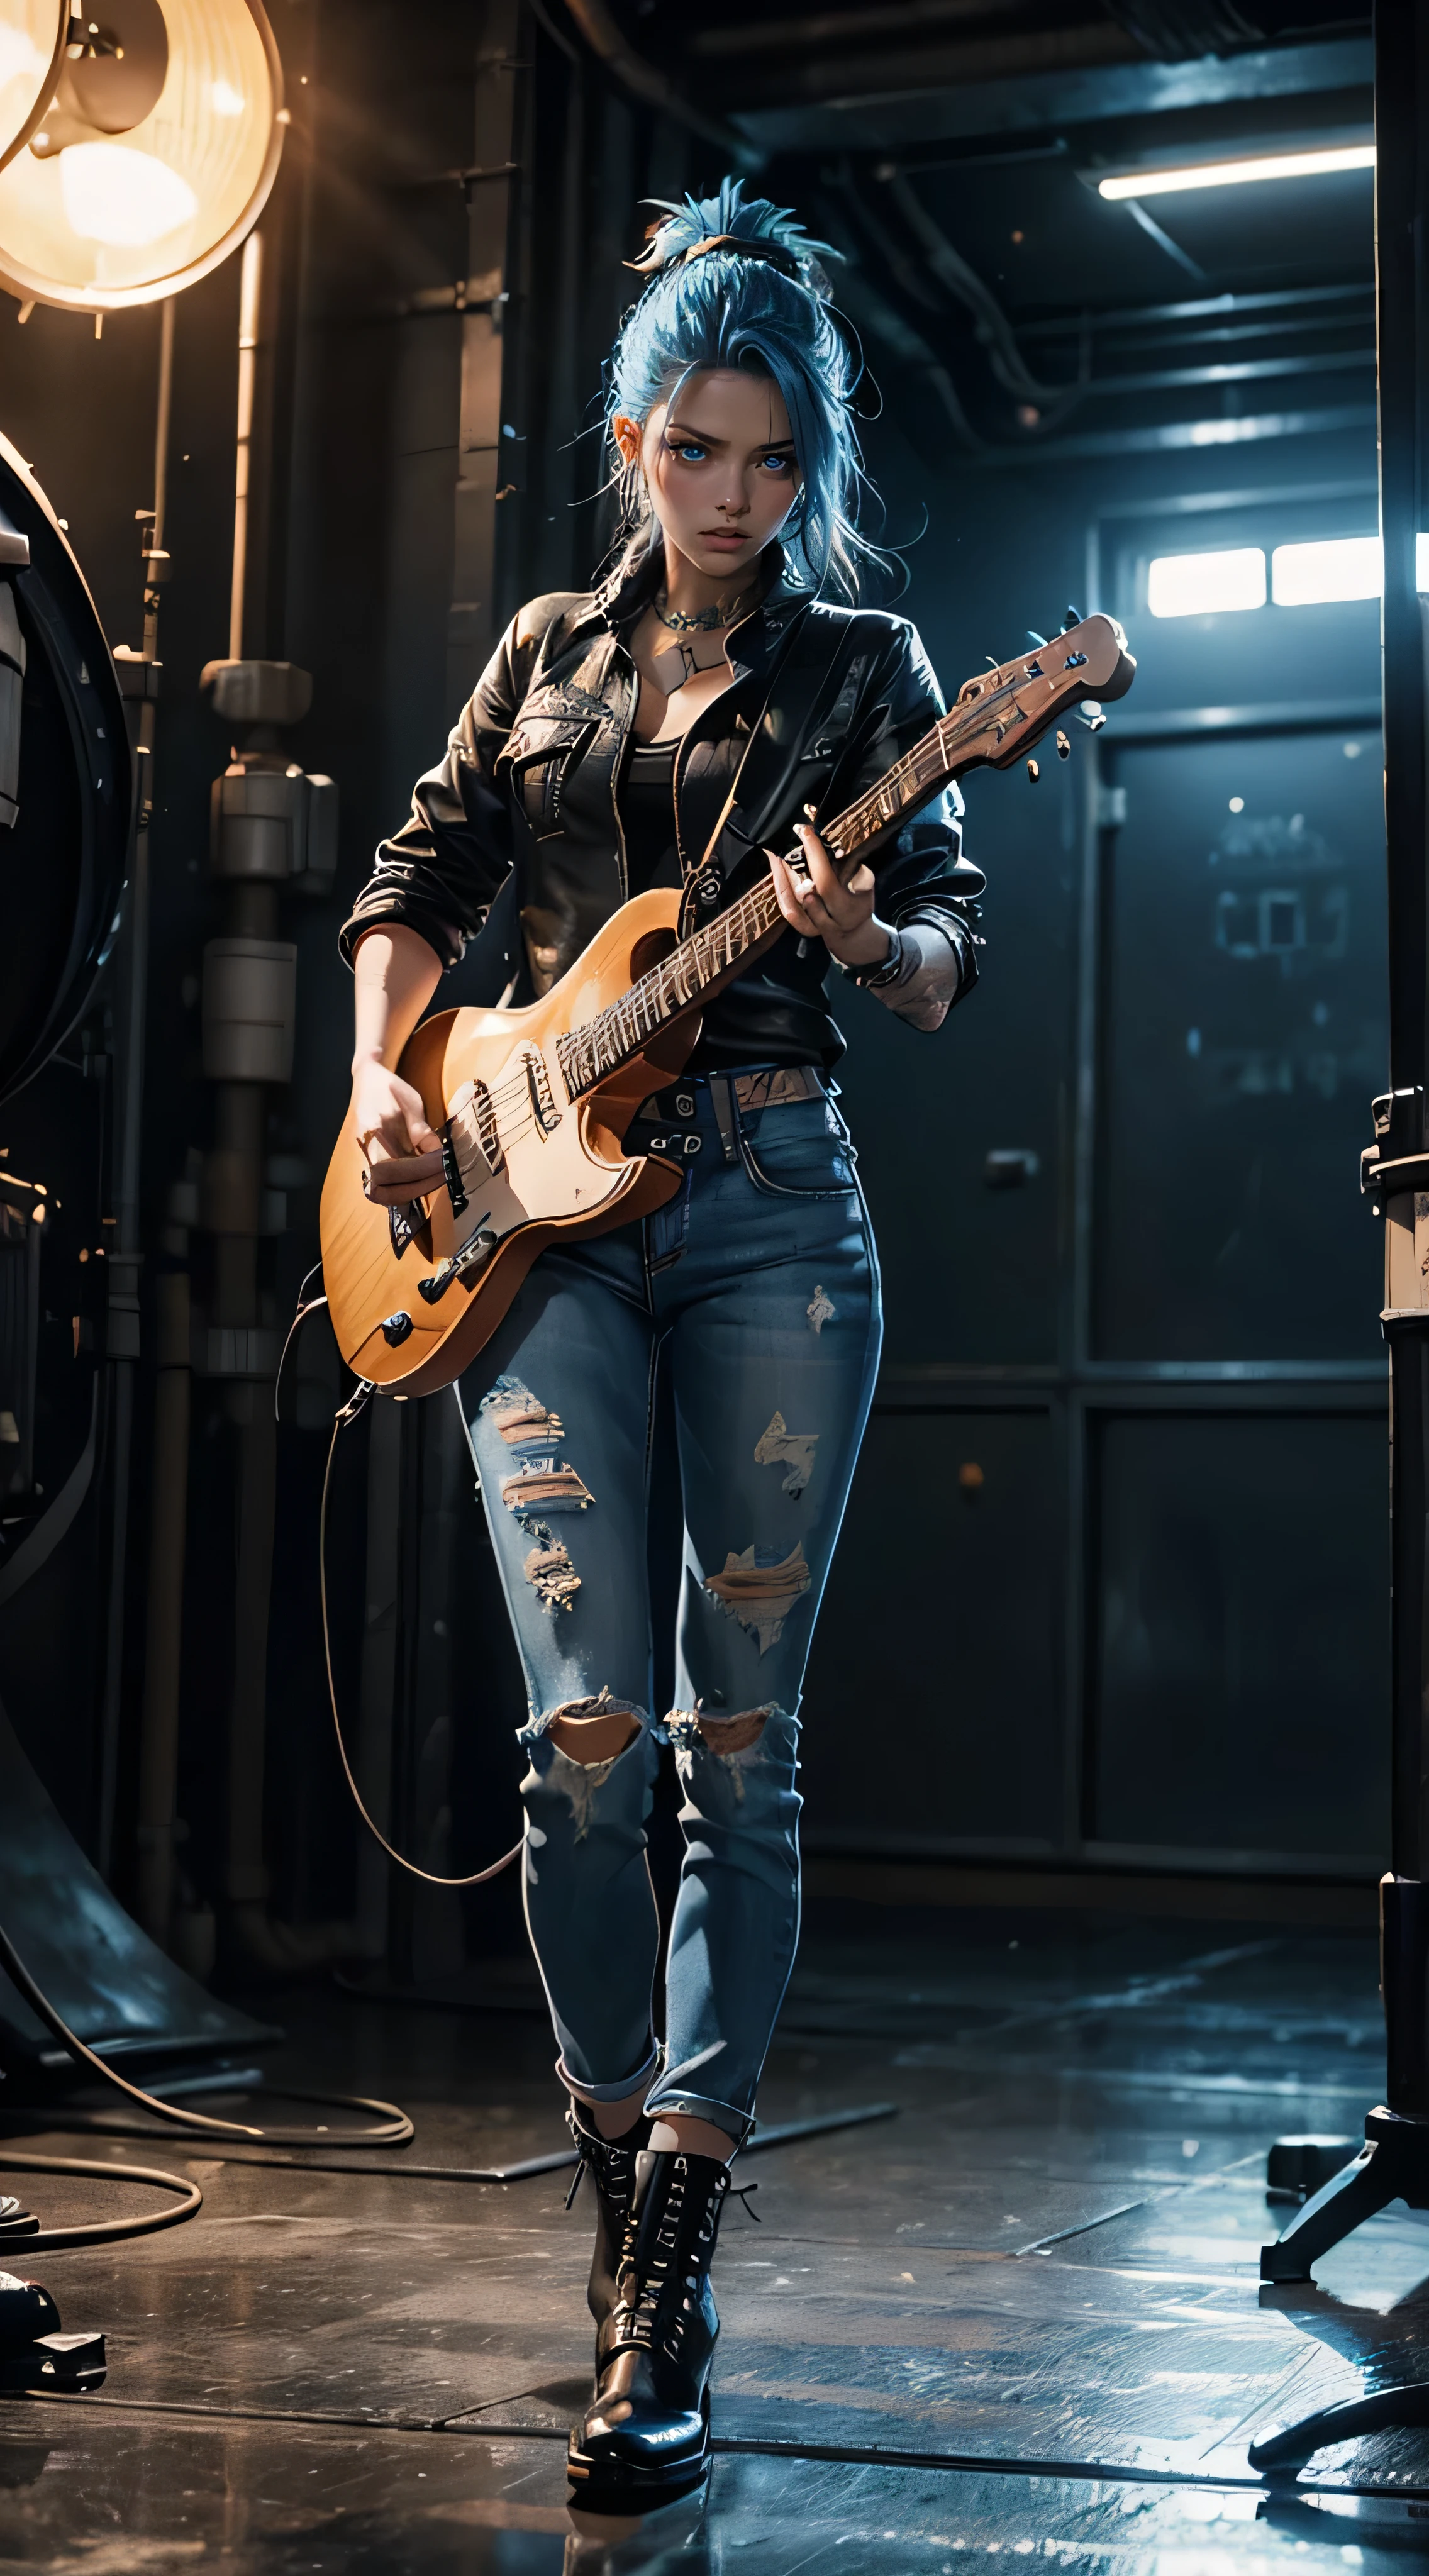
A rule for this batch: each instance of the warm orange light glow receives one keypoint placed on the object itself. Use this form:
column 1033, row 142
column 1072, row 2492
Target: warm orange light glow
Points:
column 99, row 219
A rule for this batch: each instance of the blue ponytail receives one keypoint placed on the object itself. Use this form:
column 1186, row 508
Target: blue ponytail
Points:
column 765, row 310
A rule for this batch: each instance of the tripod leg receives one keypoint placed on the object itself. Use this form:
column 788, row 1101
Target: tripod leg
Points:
column 1369, row 2184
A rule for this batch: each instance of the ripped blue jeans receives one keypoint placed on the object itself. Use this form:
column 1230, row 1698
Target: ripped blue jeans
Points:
column 762, row 1279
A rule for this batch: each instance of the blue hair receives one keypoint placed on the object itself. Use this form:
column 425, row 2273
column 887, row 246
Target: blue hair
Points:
column 767, row 312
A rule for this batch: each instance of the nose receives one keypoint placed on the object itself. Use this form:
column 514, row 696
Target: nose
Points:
column 736, row 508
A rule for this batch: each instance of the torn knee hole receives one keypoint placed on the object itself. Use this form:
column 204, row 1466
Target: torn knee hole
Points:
column 590, row 1731
column 736, row 1734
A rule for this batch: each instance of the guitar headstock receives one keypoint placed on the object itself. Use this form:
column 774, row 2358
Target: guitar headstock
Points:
column 1087, row 663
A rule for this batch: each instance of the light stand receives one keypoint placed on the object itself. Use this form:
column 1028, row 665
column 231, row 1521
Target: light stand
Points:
column 1394, row 2163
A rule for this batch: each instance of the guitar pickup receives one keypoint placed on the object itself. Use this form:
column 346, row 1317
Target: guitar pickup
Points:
column 543, row 1099
column 474, row 1132
column 451, row 1172
column 473, row 1255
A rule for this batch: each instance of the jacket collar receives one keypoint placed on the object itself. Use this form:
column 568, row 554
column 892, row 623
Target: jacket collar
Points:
column 633, row 579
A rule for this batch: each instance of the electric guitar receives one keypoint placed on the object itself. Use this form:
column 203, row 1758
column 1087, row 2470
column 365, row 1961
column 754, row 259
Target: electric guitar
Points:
column 532, row 1105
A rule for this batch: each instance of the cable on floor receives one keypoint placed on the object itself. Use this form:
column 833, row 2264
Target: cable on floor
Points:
column 392, row 2126
column 109, row 2231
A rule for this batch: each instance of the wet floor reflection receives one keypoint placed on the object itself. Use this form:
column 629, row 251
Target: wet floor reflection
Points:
column 119, row 2495
column 1041, row 2279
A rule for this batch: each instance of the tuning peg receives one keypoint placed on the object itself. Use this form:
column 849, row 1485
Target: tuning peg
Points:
column 992, row 660
column 1091, row 716
column 1033, row 772
column 1035, row 640
column 1064, row 748
column 1072, row 618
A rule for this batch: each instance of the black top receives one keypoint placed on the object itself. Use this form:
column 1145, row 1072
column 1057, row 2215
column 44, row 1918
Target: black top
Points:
column 647, row 817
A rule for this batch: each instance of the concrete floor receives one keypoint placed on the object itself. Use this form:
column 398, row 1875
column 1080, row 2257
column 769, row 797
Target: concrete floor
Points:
column 1021, row 2318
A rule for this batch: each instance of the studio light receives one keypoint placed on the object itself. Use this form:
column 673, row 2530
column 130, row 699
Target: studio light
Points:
column 1238, row 174
column 150, row 155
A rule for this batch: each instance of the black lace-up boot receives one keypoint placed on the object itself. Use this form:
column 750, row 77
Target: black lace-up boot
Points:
column 646, row 2434
column 611, row 2165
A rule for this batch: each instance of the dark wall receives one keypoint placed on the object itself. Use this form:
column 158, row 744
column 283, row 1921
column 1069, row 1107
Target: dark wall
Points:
column 398, row 394
column 1122, row 1508
column 1149, row 1623
column 83, row 412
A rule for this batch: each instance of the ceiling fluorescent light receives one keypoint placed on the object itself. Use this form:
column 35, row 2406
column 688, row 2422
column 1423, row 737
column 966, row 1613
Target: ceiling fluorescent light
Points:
column 1236, row 174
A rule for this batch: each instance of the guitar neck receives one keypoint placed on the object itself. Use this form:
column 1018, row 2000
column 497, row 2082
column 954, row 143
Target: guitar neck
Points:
column 714, row 954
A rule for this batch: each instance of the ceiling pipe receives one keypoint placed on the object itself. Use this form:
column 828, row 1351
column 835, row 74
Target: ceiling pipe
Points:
column 654, row 87
column 839, row 27
column 993, row 328
column 876, row 319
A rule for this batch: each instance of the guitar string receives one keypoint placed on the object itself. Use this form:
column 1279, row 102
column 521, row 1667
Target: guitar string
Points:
column 928, row 761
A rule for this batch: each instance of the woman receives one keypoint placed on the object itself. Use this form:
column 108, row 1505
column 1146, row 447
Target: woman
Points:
column 700, row 703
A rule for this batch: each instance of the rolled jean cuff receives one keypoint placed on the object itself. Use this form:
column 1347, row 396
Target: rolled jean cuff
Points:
column 738, row 2125
column 618, row 2092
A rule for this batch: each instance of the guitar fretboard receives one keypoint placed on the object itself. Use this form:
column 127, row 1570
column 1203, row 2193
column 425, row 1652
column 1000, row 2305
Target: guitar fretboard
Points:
column 711, row 954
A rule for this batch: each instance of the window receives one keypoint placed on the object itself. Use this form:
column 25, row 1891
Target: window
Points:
column 1329, row 568
column 1305, row 575
column 1195, row 585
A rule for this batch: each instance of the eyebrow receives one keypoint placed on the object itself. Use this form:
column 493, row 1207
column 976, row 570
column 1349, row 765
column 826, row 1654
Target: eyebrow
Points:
column 704, row 438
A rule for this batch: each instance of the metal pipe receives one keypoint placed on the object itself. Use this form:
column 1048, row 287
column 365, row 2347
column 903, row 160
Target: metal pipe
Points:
column 159, row 1729
column 1401, row 188
column 994, row 330
column 233, row 1190
column 654, row 88
column 122, row 1337
column 250, row 293
column 888, row 19
column 252, row 1407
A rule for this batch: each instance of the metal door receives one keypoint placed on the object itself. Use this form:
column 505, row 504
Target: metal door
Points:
column 1116, row 1562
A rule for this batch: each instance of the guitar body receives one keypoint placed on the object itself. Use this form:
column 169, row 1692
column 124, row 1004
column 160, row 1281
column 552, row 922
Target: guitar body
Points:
column 531, row 1157
column 535, row 1168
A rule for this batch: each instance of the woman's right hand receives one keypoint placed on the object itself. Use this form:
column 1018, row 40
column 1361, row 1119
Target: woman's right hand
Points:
column 390, row 1122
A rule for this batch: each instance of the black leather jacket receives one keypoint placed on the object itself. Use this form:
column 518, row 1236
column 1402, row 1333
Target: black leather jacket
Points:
column 531, row 776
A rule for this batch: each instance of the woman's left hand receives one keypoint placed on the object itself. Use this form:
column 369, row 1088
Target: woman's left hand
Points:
column 821, row 906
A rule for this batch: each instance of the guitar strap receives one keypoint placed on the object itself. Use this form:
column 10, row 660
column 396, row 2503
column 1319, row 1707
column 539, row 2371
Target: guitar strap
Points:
column 786, row 659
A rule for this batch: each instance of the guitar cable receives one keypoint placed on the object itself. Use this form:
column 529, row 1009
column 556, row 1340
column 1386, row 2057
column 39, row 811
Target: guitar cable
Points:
column 356, row 1404
column 310, row 1298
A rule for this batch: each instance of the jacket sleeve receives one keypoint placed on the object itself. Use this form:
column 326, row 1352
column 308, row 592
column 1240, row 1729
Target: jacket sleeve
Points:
column 439, row 874
column 925, row 885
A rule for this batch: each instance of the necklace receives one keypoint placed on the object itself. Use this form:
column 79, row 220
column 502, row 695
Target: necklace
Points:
column 700, row 621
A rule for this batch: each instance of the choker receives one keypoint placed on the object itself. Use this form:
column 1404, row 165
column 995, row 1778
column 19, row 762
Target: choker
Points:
column 701, row 621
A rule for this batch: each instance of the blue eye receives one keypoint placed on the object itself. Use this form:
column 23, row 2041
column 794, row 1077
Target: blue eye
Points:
column 779, row 464
column 691, row 452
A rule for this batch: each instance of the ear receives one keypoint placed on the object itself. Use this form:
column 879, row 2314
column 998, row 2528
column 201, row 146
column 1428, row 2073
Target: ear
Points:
column 626, row 434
